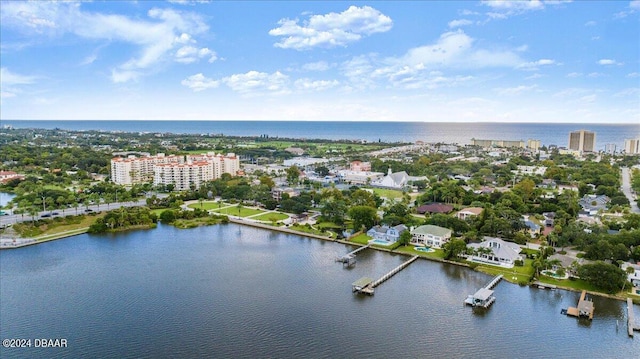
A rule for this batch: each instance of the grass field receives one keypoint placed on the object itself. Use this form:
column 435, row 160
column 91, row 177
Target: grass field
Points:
column 361, row 238
column 271, row 217
column 515, row 274
column 387, row 193
column 410, row 249
column 208, row 205
column 233, row 211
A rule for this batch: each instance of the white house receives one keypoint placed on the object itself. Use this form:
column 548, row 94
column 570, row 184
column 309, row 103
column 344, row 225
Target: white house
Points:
column 499, row 253
column 386, row 233
column 430, row 235
column 469, row 212
column 634, row 277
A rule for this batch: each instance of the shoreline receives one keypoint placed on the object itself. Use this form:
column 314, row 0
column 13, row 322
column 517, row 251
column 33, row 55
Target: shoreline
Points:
column 325, row 238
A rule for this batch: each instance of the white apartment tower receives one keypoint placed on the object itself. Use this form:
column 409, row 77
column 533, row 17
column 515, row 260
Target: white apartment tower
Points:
column 583, row 141
column 197, row 170
column 632, row 146
column 131, row 170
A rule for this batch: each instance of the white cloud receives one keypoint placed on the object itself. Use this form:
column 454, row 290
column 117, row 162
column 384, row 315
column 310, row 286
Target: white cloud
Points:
column 574, row 74
column 332, row 29
column 8, row 78
column 633, row 74
column 317, row 85
column 460, row 23
column 635, row 4
column 534, row 65
column 534, row 76
column 155, row 38
column 513, row 91
column 316, row 66
column 256, row 83
column 190, row 54
column 590, row 23
column 199, row 82
column 595, row 74
column 502, row 9
column 606, row 62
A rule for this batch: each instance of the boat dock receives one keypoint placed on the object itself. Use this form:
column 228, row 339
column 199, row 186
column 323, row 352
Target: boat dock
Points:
column 630, row 320
column 484, row 296
column 584, row 309
column 544, row 285
column 366, row 285
column 349, row 259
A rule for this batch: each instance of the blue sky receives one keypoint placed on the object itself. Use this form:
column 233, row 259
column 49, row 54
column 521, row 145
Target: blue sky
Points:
column 468, row 61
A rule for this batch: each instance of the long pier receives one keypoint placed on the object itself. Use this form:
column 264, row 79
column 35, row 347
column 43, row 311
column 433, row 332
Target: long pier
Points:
column 631, row 324
column 350, row 258
column 366, row 286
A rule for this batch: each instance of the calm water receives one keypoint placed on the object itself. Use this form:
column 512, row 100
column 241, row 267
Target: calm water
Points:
column 238, row 292
column 462, row 133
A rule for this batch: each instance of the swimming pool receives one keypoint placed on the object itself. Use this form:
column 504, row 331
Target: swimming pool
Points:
column 381, row 242
column 424, row 249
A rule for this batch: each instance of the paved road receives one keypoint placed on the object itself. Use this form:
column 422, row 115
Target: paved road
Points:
column 18, row 218
column 626, row 189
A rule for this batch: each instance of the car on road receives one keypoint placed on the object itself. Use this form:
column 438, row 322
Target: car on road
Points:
column 46, row 215
column 3, row 213
column 55, row 213
column 88, row 210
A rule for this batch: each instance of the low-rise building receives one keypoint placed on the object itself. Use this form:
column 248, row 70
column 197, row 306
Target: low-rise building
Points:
column 430, row 235
column 386, row 233
column 495, row 251
column 469, row 212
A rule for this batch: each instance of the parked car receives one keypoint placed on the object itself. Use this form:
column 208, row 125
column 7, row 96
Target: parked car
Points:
column 3, row 213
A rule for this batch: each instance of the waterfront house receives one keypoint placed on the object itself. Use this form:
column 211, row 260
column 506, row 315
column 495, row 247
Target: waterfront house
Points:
column 430, row 235
column 386, row 233
column 633, row 277
column 469, row 212
column 498, row 252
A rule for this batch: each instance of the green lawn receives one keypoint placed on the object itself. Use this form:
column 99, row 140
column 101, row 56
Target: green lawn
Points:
column 233, row 211
column 208, row 205
column 410, row 249
column 271, row 217
column 305, row 229
column 361, row 238
column 515, row 274
column 388, row 193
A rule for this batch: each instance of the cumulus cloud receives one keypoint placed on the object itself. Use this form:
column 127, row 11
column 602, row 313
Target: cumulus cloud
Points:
column 190, row 54
column 607, row 62
column 331, row 30
column 460, row 23
column 155, row 37
column 258, row 83
column 315, row 85
column 534, row 65
column 502, row 9
column 513, row 91
column 199, row 82
column 316, row 66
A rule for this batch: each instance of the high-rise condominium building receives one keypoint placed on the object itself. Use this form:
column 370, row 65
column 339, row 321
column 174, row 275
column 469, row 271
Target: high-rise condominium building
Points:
column 632, row 146
column 583, row 141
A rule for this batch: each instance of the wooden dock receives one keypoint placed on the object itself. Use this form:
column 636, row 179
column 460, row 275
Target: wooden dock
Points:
column 584, row 309
column 631, row 324
column 544, row 285
column 484, row 296
column 366, row 286
column 349, row 259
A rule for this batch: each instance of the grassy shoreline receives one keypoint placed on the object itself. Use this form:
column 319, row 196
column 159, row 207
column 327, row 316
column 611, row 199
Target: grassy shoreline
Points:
column 514, row 275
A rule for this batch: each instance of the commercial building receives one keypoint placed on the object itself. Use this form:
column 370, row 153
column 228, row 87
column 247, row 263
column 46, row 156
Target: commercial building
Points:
column 632, row 146
column 582, row 141
column 531, row 144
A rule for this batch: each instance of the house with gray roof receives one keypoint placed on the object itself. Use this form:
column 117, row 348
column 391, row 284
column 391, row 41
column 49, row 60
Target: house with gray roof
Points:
column 592, row 204
column 386, row 233
column 497, row 252
column 430, row 235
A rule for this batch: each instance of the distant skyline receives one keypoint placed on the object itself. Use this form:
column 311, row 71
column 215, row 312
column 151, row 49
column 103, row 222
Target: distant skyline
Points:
column 484, row 61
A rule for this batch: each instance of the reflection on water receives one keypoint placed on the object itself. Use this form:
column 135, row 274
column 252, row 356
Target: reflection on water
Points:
column 241, row 292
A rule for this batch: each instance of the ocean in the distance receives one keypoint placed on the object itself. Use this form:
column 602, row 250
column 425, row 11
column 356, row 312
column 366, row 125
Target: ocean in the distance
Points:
column 432, row 132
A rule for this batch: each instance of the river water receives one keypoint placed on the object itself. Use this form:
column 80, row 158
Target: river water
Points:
column 231, row 291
